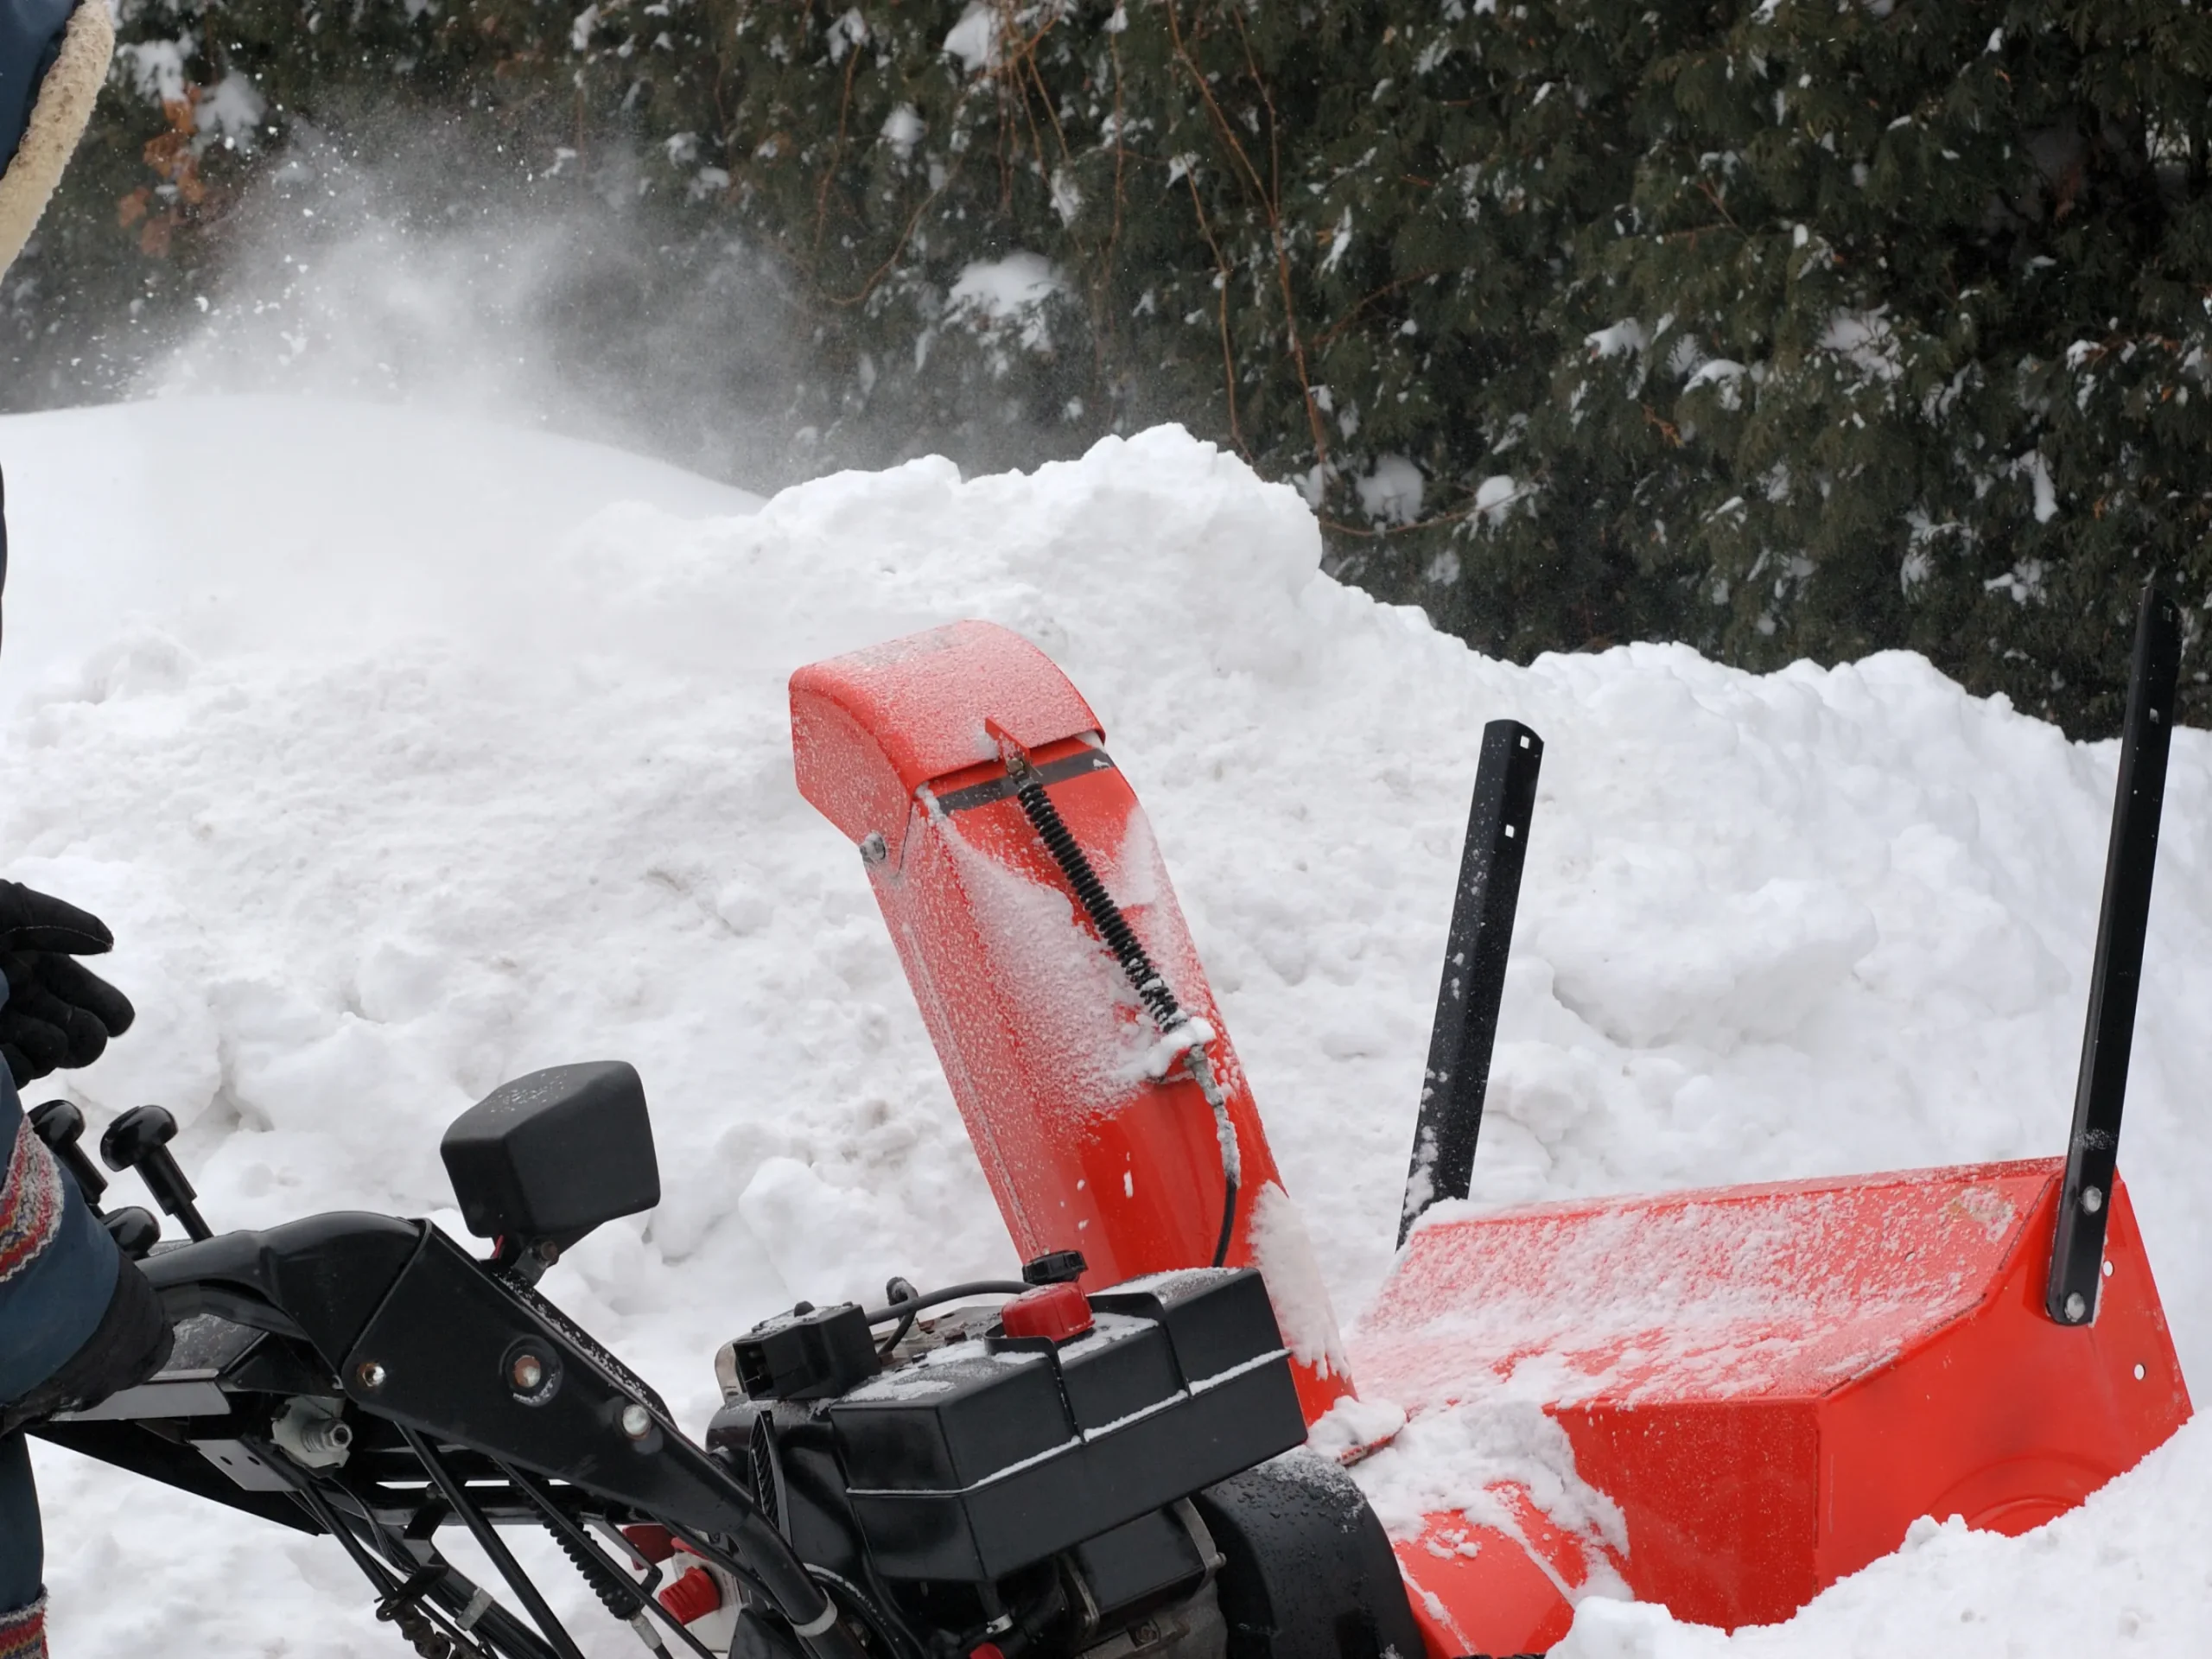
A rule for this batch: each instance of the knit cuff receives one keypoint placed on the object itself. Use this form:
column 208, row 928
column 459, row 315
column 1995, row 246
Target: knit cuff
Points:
column 65, row 103
column 31, row 1200
column 22, row 1633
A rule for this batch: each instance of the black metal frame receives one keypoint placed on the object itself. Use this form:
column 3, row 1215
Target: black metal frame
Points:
column 415, row 1335
column 1466, row 1032
column 366, row 1376
column 2100, row 1090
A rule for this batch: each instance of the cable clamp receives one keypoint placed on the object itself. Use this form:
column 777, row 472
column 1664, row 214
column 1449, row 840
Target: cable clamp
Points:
column 817, row 1626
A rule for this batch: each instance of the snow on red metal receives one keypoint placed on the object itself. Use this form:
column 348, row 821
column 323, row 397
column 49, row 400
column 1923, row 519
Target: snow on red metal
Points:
column 1772, row 1382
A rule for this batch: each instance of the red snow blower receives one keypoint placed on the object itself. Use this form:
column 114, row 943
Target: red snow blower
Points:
column 1768, row 1383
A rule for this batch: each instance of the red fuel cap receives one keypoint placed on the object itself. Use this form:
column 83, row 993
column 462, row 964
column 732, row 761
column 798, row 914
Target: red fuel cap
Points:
column 1055, row 1311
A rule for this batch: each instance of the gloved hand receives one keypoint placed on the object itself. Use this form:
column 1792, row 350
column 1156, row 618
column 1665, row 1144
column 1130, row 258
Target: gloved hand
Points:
column 132, row 1341
column 59, row 1014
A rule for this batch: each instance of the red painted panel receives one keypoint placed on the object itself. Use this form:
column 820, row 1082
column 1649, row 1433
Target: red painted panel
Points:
column 2003, row 1417
column 1719, row 1498
column 1050, row 1057
column 1773, row 1383
column 1478, row 1590
column 869, row 728
column 1736, row 1292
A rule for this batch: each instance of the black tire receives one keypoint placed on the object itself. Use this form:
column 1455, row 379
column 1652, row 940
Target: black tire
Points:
column 1308, row 1571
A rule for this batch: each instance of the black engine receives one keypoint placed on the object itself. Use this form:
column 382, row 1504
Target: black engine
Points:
column 1067, row 1474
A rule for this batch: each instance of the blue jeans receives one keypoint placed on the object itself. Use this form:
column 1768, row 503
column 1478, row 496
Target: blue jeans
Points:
column 23, row 1549
column 57, row 1273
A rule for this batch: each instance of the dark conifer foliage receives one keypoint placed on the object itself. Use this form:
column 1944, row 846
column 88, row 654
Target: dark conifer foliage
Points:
column 1803, row 328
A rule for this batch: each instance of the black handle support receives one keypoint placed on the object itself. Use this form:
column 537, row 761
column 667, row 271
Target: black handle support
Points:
column 1459, row 1045
column 2084, row 1204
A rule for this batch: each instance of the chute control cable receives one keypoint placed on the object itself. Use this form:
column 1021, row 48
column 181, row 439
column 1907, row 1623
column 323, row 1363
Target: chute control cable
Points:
column 1151, row 987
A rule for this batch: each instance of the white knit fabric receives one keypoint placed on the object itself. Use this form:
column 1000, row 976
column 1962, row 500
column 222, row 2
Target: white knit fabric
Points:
column 64, row 104
column 30, row 1201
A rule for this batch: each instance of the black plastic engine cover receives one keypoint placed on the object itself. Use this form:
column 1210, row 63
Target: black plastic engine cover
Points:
column 986, row 1455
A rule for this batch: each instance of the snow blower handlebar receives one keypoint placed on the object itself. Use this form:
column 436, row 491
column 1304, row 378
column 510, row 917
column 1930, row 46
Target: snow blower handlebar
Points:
column 2092, row 1150
column 1459, row 1045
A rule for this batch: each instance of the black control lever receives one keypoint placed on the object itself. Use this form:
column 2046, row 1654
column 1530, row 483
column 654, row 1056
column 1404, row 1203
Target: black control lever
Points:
column 140, row 1139
column 134, row 1230
column 61, row 1126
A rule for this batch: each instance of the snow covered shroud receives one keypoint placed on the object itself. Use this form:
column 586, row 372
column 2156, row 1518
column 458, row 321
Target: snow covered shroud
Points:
column 1771, row 1383
column 1760, row 1389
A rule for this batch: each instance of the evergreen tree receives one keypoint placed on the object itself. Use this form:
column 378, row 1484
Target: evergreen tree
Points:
column 1806, row 327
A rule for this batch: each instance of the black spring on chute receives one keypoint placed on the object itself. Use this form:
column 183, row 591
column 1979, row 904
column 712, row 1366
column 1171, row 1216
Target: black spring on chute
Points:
column 1090, row 892
column 1150, row 987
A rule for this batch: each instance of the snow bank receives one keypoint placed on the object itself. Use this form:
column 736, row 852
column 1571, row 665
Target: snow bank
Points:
column 405, row 755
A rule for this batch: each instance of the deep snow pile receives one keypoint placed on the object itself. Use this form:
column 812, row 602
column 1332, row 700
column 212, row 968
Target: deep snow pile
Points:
column 405, row 755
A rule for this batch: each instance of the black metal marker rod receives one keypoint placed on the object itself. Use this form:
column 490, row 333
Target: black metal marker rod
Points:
column 2092, row 1153
column 493, row 1630
column 1459, row 1045
column 488, row 1540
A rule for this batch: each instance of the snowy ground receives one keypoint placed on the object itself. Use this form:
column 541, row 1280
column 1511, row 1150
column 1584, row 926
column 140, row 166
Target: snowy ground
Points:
column 405, row 753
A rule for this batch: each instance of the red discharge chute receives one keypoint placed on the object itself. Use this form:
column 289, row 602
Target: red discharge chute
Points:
column 1093, row 1132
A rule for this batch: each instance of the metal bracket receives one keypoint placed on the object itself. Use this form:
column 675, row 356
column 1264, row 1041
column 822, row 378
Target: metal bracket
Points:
column 2085, row 1200
column 1459, row 1045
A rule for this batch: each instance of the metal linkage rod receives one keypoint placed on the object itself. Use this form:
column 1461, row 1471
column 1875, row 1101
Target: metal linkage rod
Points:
column 1459, row 1045
column 2092, row 1153
column 465, row 1617
column 488, row 1540
column 631, row 1603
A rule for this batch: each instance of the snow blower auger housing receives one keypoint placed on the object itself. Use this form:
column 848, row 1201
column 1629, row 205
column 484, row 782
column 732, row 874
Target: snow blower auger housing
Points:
column 1769, row 1384
column 1772, row 1382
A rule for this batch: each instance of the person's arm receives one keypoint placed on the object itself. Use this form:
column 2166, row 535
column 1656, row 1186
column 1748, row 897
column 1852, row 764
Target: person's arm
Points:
column 54, row 58
column 77, row 1320
column 57, row 1263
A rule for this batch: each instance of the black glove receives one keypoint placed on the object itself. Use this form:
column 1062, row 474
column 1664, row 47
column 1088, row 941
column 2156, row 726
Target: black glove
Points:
column 132, row 1341
column 59, row 1014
